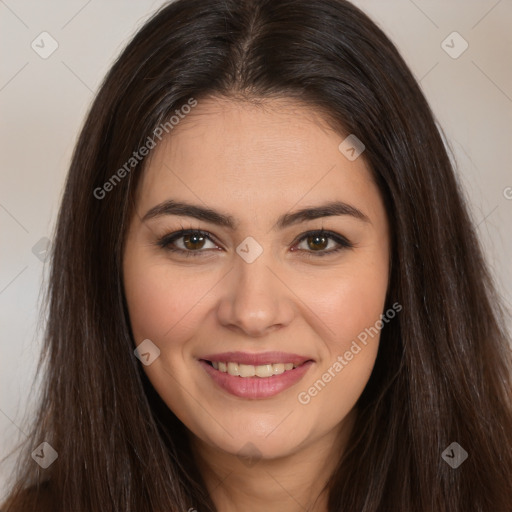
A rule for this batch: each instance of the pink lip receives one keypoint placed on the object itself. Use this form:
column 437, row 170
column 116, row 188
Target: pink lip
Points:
column 256, row 387
column 257, row 359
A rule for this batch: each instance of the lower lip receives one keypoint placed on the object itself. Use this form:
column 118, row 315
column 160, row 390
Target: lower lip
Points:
column 256, row 387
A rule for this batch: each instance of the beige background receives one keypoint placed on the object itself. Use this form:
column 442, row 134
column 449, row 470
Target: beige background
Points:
column 43, row 103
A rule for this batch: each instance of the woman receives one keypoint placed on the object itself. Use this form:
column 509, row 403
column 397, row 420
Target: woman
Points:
column 266, row 292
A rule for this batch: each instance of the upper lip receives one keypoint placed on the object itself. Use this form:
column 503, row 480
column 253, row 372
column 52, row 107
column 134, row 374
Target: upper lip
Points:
column 257, row 359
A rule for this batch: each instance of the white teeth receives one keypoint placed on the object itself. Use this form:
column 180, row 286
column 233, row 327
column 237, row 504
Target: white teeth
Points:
column 264, row 370
column 233, row 368
column 278, row 368
column 248, row 370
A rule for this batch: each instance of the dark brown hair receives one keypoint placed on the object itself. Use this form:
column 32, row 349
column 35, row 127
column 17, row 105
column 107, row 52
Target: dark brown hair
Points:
column 443, row 370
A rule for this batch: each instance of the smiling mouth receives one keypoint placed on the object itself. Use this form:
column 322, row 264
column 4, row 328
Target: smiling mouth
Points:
column 249, row 370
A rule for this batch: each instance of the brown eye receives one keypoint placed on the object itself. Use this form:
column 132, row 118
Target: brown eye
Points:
column 317, row 242
column 194, row 241
column 187, row 242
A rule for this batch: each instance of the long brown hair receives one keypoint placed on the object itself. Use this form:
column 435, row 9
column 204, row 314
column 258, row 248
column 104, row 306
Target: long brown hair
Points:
column 443, row 370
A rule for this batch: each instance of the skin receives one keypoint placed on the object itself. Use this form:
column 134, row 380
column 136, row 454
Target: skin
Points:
column 255, row 163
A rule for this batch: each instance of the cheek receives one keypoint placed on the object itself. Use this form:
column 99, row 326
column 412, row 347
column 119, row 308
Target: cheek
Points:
column 151, row 306
column 351, row 310
column 352, row 300
column 160, row 303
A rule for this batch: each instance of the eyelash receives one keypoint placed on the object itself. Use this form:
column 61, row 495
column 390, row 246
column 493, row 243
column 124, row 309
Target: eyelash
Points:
column 166, row 241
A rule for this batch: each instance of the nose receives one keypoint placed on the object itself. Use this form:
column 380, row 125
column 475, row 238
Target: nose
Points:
column 255, row 299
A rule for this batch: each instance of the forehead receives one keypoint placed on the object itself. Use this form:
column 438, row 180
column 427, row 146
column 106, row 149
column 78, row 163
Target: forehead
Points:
column 254, row 157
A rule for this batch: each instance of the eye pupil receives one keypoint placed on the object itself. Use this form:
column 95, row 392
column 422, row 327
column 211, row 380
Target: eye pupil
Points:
column 316, row 238
column 193, row 239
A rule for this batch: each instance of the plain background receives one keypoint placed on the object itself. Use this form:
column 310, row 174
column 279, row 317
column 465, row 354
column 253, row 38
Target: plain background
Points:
column 43, row 103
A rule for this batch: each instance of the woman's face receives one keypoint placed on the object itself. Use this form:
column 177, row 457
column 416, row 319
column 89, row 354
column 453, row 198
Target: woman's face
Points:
column 260, row 283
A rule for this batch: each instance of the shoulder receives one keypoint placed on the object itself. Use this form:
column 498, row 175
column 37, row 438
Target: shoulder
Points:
column 35, row 498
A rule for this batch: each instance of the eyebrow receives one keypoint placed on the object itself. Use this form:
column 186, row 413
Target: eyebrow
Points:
column 180, row 208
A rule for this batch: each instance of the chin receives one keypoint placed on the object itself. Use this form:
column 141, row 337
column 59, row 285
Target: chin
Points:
column 250, row 446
